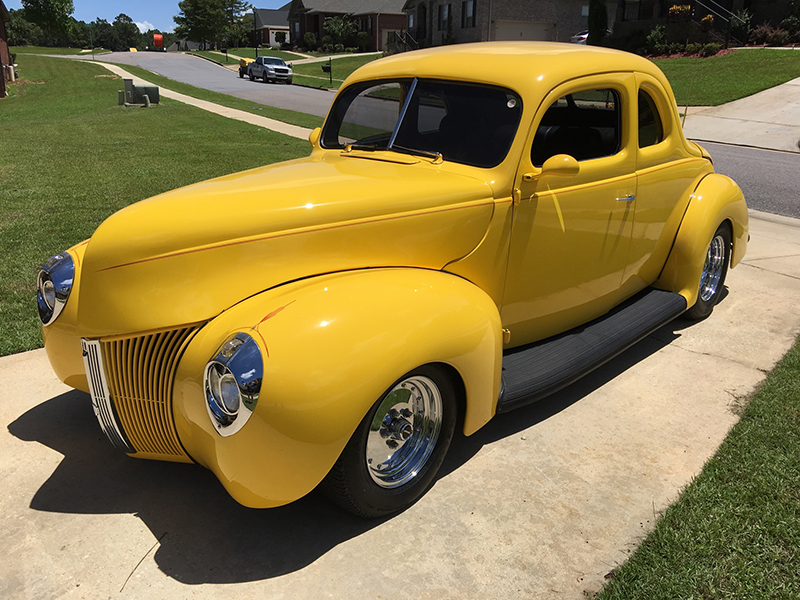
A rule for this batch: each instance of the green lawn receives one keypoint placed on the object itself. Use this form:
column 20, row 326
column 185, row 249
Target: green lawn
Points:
column 735, row 531
column 311, row 73
column 70, row 157
column 46, row 50
column 720, row 79
column 279, row 114
column 251, row 53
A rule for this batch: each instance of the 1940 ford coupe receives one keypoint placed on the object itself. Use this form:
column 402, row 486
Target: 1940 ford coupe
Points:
column 476, row 227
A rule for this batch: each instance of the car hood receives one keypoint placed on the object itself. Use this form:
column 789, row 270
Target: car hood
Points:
column 185, row 256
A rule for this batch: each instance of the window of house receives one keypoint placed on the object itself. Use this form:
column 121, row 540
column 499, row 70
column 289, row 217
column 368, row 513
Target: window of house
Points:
column 651, row 131
column 584, row 125
column 411, row 20
column 468, row 14
column 444, row 17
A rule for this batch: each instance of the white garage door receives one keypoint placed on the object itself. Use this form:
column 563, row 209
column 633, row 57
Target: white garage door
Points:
column 535, row 31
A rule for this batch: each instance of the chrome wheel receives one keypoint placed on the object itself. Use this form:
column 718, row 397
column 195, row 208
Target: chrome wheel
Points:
column 713, row 269
column 404, row 431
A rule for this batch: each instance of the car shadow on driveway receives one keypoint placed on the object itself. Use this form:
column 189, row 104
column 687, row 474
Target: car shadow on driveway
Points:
column 207, row 537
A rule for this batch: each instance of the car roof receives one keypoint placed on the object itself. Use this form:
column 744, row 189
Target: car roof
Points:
column 526, row 67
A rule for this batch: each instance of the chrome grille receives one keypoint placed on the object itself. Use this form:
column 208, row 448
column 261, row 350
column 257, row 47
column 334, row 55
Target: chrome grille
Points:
column 139, row 374
column 101, row 398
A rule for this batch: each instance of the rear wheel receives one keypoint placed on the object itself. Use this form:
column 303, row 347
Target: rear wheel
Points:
column 715, row 269
column 241, row 75
column 397, row 449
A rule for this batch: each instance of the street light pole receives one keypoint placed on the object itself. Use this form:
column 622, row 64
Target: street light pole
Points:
column 255, row 41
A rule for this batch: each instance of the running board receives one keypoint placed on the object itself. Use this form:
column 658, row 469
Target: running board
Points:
column 532, row 372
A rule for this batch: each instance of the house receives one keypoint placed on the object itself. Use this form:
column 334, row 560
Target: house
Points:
column 379, row 18
column 269, row 22
column 435, row 22
column 6, row 68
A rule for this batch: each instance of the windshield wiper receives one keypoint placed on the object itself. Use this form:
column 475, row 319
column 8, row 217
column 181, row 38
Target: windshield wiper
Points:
column 437, row 156
column 356, row 146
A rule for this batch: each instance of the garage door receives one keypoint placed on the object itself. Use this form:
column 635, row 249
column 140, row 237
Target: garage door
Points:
column 535, row 31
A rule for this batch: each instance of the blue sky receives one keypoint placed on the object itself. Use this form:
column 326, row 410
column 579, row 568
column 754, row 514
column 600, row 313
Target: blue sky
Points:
column 148, row 14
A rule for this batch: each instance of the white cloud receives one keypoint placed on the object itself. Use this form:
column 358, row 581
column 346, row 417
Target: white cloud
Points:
column 145, row 27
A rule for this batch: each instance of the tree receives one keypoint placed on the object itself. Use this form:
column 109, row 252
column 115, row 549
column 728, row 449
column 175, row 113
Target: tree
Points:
column 598, row 22
column 210, row 20
column 51, row 15
column 127, row 32
column 340, row 28
column 22, row 32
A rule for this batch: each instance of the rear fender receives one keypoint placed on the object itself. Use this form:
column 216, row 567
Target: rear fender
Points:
column 331, row 347
column 716, row 200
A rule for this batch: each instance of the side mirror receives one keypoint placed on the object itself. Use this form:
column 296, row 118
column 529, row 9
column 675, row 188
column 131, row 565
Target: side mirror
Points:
column 313, row 137
column 561, row 164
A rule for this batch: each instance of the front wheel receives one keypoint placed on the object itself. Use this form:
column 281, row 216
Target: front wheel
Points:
column 252, row 77
column 393, row 457
column 715, row 268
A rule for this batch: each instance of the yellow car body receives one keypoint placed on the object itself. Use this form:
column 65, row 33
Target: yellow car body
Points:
column 353, row 266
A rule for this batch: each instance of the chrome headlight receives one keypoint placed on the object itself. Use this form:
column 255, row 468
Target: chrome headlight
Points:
column 53, row 284
column 232, row 383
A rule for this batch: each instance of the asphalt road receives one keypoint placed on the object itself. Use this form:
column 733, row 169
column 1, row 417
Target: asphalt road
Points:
column 205, row 74
column 770, row 180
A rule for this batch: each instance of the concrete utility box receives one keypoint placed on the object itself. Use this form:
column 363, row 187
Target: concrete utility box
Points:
column 134, row 94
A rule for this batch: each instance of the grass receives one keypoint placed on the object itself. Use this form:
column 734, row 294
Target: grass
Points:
column 71, row 157
column 251, row 53
column 279, row 114
column 46, row 50
column 720, row 79
column 311, row 73
column 735, row 531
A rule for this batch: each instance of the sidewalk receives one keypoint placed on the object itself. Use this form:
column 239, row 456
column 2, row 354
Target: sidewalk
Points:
column 232, row 113
column 542, row 503
column 768, row 119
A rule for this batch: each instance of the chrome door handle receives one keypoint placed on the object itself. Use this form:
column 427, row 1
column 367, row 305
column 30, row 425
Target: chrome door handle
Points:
column 628, row 198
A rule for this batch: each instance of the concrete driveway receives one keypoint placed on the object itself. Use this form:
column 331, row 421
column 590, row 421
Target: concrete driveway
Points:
column 206, row 74
column 542, row 503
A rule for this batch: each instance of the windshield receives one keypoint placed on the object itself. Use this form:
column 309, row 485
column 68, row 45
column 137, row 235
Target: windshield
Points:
column 465, row 123
column 274, row 61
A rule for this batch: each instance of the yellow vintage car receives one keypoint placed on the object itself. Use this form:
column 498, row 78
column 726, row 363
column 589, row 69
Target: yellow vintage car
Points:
column 476, row 227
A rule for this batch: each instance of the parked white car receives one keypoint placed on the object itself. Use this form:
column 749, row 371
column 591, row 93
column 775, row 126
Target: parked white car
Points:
column 269, row 68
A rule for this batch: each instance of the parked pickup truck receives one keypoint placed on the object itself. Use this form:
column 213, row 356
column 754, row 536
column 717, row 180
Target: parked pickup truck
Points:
column 269, row 68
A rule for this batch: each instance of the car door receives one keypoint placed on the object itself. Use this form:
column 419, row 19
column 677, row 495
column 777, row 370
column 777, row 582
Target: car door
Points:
column 666, row 176
column 571, row 232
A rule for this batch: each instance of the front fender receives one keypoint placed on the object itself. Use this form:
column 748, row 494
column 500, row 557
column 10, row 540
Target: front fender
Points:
column 331, row 346
column 717, row 199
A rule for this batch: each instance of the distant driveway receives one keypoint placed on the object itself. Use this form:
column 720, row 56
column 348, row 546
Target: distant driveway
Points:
column 205, row 74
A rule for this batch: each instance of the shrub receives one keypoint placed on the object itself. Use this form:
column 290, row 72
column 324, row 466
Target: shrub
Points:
column 676, row 48
column 761, row 34
column 741, row 25
column 710, row 49
column 657, row 40
column 327, row 41
column 694, row 48
column 707, row 22
column 338, row 48
column 362, row 39
column 778, row 37
column 351, row 49
column 310, row 40
column 680, row 11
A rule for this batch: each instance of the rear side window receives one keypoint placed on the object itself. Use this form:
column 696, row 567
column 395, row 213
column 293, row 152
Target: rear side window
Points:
column 585, row 125
column 651, row 131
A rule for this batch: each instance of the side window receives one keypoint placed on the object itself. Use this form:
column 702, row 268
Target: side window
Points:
column 585, row 125
column 651, row 131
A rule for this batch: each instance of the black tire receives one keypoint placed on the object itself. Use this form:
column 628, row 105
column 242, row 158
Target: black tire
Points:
column 252, row 77
column 265, row 78
column 241, row 75
column 371, row 492
column 715, row 269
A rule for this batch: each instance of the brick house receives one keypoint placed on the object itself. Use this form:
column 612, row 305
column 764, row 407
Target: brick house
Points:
column 434, row 22
column 271, row 21
column 377, row 17
column 6, row 68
